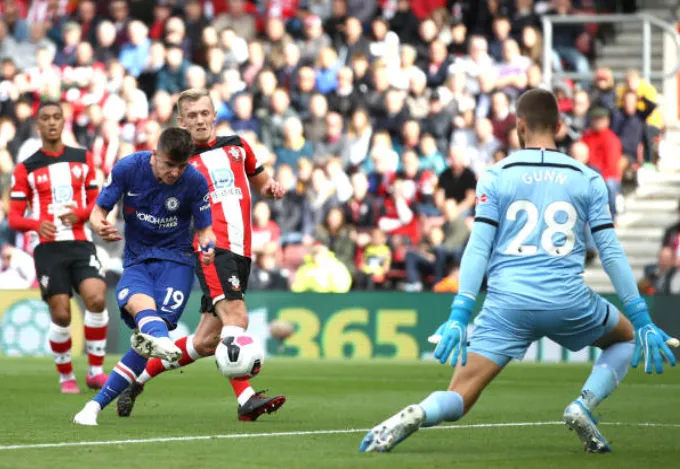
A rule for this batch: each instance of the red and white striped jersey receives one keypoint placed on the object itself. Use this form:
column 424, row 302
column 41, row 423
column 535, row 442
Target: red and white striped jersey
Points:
column 227, row 163
column 50, row 183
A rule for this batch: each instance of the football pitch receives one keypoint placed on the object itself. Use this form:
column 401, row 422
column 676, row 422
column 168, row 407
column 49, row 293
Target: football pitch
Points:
column 187, row 419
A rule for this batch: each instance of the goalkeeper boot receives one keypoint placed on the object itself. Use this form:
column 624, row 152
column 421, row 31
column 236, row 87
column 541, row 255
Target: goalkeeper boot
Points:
column 579, row 419
column 126, row 400
column 259, row 404
column 394, row 430
column 149, row 346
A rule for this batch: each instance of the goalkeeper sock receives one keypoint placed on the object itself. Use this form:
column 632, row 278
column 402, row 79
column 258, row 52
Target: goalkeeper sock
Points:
column 121, row 377
column 148, row 322
column 442, row 406
column 609, row 370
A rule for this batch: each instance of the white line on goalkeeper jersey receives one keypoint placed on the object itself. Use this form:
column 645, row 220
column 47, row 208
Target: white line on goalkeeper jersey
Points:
column 232, row 436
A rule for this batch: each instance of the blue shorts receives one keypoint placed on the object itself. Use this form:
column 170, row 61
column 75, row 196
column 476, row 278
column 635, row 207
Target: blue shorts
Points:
column 168, row 283
column 501, row 335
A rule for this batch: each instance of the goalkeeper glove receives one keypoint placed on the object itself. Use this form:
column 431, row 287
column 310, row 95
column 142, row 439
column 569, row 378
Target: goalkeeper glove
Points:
column 650, row 341
column 452, row 335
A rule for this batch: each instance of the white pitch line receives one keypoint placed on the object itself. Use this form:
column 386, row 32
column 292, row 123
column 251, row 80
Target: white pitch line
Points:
column 302, row 433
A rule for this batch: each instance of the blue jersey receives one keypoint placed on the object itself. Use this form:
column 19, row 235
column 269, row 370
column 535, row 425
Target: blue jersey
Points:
column 158, row 217
column 541, row 202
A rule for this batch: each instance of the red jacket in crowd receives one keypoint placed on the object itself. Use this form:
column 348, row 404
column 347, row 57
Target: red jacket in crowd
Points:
column 604, row 152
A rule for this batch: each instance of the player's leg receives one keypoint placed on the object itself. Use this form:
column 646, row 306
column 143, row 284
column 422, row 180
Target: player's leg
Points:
column 51, row 264
column 201, row 343
column 234, row 271
column 601, row 325
column 120, row 378
column 89, row 282
column 498, row 337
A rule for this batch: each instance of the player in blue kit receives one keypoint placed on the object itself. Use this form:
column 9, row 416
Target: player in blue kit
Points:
column 529, row 224
column 162, row 195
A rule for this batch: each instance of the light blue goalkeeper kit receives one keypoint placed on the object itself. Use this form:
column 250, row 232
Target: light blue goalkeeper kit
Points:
column 539, row 202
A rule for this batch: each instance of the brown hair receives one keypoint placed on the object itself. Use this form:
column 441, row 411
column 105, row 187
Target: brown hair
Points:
column 538, row 109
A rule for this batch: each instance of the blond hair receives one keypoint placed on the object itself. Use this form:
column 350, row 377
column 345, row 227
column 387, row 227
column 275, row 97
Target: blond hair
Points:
column 192, row 95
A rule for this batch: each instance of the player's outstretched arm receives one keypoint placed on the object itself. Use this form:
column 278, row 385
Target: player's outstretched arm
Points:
column 267, row 186
column 650, row 341
column 102, row 226
column 452, row 335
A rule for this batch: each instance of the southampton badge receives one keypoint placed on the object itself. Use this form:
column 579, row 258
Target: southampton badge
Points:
column 235, row 154
column 235, row 283
column 172, row 204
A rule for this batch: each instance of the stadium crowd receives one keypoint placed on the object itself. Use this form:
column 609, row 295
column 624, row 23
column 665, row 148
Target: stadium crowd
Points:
column 377, row 116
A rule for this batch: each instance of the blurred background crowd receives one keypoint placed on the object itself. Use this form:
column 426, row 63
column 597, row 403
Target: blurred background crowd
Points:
column 378, row 116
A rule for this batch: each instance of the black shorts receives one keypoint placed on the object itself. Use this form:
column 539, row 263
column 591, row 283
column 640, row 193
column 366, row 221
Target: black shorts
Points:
column 61, row 266
column 225, row 279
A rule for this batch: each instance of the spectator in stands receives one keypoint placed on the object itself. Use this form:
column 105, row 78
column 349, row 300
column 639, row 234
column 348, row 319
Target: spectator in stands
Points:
column 438, row 64
column 134, row 54
column 457, row 183
column 17, row 271
column 570, row 42
column 320, row 197
column 603, row 93
column 120, row 15
column 359, row 135
column 502, row 118
column 647, row 98
column 338, row 236
column 501, row 32
column 629, row 125
column 335, row 169
column 375, row 262
column 255, row 63
column 24, row 54
column 265, row 230
column 532, row 44
column 512, row 69
column 335, row 142
column 294, row 145
column 287, row 212
column 315, row 40
column 438, row 122
column 195, row 23
column 420, row 260
column 663, row 277
column 486, row 145
column 450, row 283
column 16, row 25
column 604, row 150
column 243, row 119
column 266, row 275
column 477, row 63
column 280, row 111
column 361, row 210
column 172, row 77
column 344, row 99
column 240, row 17
column 302, row 91
column 579, row 119
column 397, row 218
column 327, row 66
column 396, row 113
column 431, row 158
column 321, row 272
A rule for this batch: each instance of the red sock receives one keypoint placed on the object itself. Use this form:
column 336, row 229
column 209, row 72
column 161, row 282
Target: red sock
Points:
column 239, row 386
column 156, row 366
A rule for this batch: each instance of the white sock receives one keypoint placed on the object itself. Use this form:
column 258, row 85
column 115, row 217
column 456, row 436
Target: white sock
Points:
column 144, row 377
column 93, row 406
column 232, row 331
column 245, row 395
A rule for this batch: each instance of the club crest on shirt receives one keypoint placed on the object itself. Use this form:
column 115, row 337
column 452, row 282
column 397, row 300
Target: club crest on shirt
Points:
column 123, row 294
column 481, row 199
column 235, row 154
column 77, row 172
column 172, row 204
column 44, row 281
column 235, row 283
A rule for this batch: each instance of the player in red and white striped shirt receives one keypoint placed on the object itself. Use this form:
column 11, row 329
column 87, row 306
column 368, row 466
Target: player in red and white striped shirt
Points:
column 59, row 185
column 230, row 166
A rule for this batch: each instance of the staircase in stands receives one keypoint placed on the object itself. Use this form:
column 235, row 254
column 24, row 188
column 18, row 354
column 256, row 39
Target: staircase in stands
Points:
column 653, row 206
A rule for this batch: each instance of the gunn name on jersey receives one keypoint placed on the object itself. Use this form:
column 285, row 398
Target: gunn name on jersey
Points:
column 544, row 175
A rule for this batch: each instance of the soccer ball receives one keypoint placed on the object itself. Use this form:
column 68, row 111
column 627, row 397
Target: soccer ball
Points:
column 239, row 357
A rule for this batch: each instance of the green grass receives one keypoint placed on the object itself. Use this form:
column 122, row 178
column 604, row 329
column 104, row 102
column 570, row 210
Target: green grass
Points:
column 334, row 396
